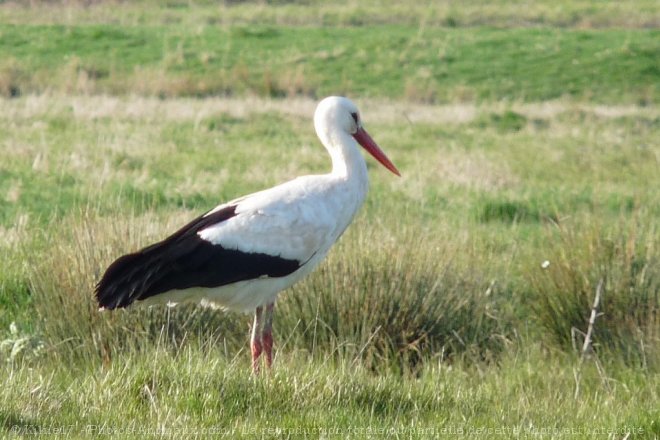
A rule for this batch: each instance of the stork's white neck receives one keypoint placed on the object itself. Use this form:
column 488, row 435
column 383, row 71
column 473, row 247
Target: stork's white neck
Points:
column 347, row 161
column 349, row 170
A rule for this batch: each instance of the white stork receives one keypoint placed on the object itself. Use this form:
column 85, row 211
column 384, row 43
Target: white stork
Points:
column 241, row 254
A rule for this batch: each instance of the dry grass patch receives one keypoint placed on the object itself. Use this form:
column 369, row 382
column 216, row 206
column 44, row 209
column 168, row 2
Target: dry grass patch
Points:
column 575, row 14
column 375, row 110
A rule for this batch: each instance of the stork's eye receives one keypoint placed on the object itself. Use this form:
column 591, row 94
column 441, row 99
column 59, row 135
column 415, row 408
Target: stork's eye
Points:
column 355, row 117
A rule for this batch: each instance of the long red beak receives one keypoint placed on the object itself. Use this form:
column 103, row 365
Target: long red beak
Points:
column 370, row 145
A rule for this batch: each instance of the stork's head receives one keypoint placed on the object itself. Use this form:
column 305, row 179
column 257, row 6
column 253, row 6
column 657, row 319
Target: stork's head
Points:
column 339, row 114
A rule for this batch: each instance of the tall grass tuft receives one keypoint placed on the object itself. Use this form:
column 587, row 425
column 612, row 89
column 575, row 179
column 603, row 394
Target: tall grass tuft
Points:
column 383, row 301
column 626, row 258
column 398, row 302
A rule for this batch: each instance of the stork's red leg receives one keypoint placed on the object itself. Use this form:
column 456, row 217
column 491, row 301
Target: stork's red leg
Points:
column 255, row 341
column 268, row 334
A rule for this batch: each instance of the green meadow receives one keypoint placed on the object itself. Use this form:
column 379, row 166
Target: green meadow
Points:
column 458, row 302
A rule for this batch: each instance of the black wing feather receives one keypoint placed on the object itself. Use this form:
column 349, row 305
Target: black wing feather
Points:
column 184, row 260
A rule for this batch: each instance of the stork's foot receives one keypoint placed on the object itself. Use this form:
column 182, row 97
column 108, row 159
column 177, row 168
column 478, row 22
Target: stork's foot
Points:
column 261, row 340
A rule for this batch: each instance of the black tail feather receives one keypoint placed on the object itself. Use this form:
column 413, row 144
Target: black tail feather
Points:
column 126, row 280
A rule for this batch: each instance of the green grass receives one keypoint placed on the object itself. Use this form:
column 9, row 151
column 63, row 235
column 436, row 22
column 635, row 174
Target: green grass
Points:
column 422, row 64
column 195, row 391
column 524, row 136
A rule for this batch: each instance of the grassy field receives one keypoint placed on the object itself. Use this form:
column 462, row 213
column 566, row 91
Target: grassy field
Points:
column 456, row 304
column 429, row 64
